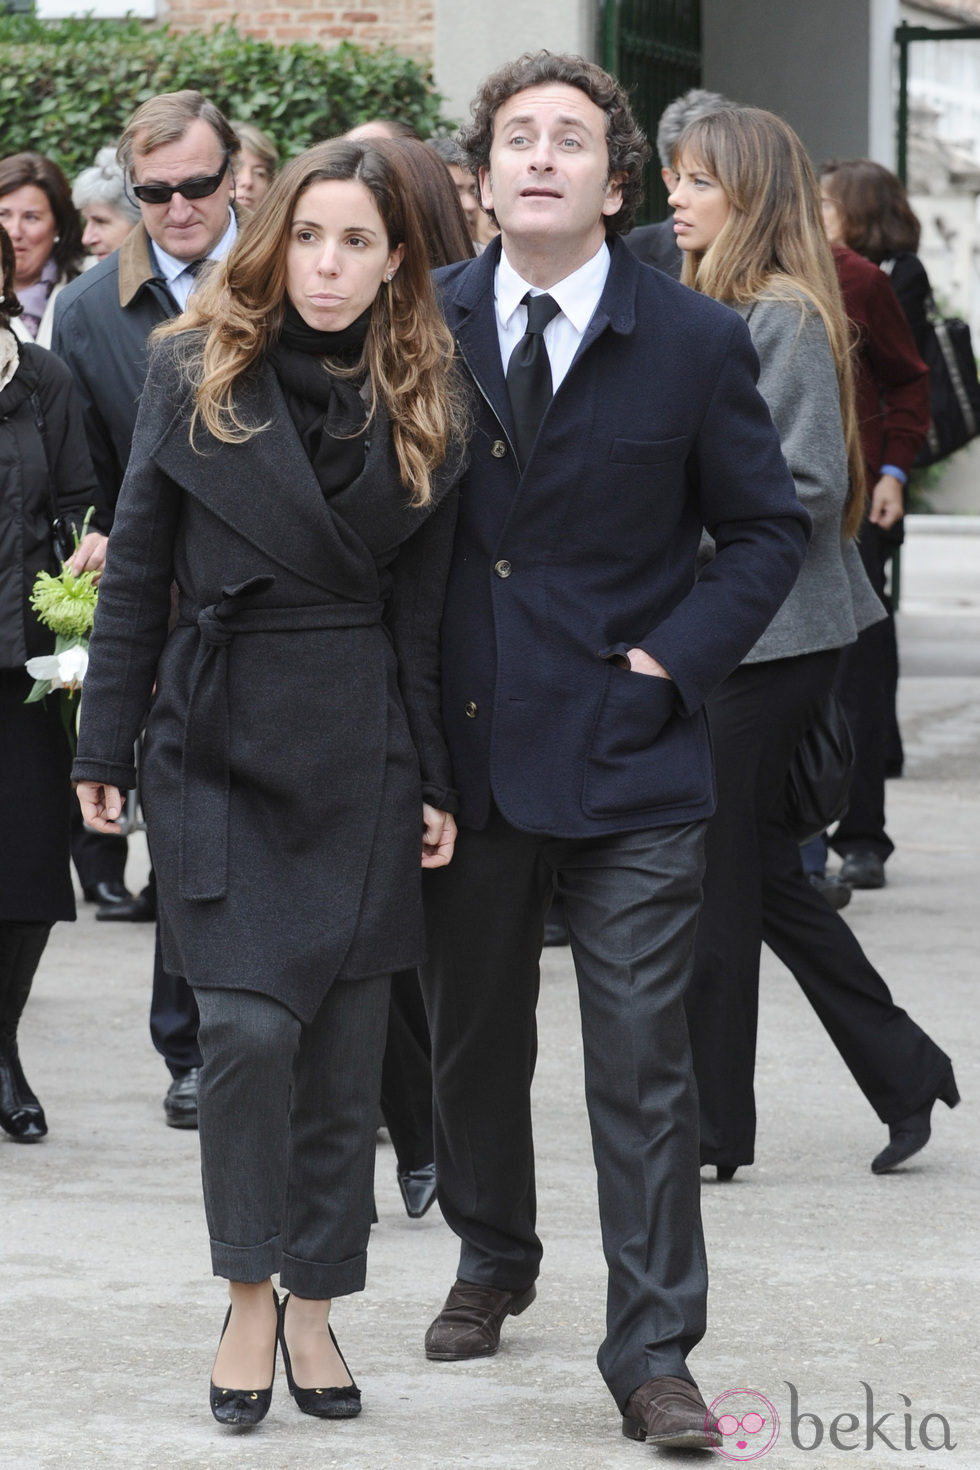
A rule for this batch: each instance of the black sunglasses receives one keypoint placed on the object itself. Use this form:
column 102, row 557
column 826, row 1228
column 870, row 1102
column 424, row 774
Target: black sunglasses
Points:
column 190, row 188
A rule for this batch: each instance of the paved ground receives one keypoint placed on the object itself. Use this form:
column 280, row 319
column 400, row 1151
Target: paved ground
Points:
column 823, row 1277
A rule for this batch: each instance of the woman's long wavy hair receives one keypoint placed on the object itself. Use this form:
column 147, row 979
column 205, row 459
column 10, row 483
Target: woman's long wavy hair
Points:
column 408, row 355
column 773, row 245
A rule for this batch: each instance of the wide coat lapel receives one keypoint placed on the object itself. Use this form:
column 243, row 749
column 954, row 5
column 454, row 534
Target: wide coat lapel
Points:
column 265, row 490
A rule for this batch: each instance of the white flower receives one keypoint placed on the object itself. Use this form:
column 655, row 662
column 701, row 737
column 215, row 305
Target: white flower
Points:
column 65, row 670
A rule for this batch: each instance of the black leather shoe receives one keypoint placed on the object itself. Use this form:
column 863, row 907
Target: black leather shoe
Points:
column 240, row 1406
column 833, row 888
column 418, row 1187
column 913, row 1133
column 671, row 1414
column 180, row 1103
column 322, row 1403
column 21, row 1115
column 107, row 893
column 863, row 870
column 469, row 1324
column 141, row 909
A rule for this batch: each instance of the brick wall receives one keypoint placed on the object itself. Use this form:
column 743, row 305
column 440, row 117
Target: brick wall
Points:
column 407, row 25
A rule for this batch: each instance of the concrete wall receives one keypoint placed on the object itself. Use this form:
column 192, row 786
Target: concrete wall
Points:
column 824, row 67
column 472, row 39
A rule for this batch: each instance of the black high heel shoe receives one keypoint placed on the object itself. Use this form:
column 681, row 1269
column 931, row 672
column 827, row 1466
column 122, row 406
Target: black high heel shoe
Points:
column 418, row 1187
column 244, row 1407
column 21, row 1115
column 322, row 1403
column 912, row 1134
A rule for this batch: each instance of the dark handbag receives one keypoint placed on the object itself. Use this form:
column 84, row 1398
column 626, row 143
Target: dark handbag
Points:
column 62, row 531
column 954, row 389
column 818, row 782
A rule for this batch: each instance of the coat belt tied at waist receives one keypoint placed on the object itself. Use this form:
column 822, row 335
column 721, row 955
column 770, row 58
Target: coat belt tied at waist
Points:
column 205, row 765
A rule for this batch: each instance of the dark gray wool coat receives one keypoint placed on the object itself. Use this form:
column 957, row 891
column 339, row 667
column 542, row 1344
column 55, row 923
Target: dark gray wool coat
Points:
column 295, row 725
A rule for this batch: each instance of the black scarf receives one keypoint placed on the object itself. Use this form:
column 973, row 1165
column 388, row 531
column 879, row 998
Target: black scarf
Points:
column 328, row 412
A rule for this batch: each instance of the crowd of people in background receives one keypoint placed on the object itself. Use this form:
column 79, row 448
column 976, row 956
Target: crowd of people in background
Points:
column 405, row 410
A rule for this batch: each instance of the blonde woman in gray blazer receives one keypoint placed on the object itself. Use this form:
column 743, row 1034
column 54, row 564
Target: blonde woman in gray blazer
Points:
column 747, row 216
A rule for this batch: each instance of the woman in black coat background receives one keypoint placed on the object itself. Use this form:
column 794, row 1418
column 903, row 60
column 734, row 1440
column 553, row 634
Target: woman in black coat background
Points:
column 292, row 472
column 35, row 794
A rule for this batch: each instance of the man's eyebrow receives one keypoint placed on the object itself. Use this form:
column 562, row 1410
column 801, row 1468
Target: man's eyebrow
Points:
column 566, row 119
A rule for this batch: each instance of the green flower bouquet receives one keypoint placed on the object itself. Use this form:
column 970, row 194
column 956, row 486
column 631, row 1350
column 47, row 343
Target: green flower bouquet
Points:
column 66, row 605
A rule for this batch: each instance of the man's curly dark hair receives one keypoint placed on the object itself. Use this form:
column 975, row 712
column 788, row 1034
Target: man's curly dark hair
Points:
column 627, row 144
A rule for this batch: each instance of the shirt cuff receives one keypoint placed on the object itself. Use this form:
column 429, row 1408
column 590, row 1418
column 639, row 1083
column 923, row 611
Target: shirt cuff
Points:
column 893, row 469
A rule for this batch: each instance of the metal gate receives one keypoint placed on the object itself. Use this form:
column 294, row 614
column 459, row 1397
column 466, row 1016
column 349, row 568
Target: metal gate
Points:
column 654, row 48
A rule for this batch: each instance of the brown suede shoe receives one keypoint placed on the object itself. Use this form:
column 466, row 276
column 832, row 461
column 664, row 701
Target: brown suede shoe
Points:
column 469, row 1324
column 670, row 1413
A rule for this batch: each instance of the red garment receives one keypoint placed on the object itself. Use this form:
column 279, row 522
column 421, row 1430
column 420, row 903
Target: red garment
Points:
column 892, row 381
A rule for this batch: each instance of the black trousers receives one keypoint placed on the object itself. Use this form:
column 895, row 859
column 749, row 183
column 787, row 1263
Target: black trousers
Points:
column 21, row 948
column 867, row 685
column 99, row 857
column 631, row 903
column 406, row 1075
column 173, row 1016
column 754, row 891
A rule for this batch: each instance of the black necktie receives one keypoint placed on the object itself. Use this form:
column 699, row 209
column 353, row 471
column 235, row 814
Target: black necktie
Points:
column 194, row 268
column 529, row 374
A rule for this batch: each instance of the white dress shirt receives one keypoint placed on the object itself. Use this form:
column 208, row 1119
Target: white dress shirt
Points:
column 577, row 296
column 181, row 281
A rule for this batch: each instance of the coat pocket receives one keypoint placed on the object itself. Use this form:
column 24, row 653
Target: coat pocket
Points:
column 644, row 754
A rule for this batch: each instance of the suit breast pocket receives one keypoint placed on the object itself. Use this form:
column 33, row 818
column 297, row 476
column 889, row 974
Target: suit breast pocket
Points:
column 649, row 451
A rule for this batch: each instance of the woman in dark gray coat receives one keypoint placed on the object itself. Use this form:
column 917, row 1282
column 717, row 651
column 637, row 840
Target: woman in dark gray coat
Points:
column 292, row 473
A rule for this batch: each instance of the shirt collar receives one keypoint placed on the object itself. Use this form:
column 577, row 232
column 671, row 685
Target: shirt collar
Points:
column 577, row 295
column 171, row 267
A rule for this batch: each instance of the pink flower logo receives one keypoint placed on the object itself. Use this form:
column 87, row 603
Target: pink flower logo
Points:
column 747, row 1422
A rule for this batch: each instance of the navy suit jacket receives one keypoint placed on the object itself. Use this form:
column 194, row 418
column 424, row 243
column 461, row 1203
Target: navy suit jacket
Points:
column 657, row 431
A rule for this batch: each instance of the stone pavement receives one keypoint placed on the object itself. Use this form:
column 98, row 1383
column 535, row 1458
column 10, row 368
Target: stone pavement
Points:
column 824, row 1277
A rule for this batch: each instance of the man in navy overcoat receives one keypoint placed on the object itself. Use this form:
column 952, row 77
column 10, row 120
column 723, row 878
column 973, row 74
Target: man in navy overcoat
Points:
column 578, row 649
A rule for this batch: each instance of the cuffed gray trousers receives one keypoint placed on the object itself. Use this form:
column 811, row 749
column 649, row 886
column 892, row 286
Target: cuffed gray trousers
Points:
column 287, row 1116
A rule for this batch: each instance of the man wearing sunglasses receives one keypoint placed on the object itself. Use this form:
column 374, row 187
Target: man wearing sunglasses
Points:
column 175, row 152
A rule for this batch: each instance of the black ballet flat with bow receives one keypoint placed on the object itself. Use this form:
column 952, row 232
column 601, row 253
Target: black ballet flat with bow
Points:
column 322, row 1403
column 243, row 1407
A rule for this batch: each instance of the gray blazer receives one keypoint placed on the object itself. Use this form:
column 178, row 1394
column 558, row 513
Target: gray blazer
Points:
column 832, row 600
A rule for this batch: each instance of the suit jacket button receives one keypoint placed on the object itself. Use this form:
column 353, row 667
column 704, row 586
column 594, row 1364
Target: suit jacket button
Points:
column 471, row 709
column 502, row 568
column 498, row 448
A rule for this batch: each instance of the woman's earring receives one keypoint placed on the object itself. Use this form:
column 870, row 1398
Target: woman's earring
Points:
column 390, row 277
column 57, row 239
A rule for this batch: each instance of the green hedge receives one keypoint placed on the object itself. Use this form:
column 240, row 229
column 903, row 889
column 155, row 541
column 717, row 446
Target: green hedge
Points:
column 68, row 88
